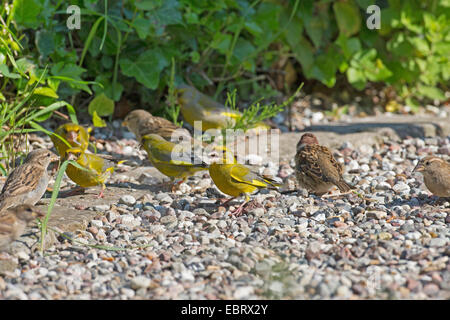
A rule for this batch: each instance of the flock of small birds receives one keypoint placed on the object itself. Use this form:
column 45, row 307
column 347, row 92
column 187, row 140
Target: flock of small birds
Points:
column 316, row 169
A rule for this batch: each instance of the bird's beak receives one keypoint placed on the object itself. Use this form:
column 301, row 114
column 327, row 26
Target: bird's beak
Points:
column 418, row 168
column 124, row 123
column 54, row 158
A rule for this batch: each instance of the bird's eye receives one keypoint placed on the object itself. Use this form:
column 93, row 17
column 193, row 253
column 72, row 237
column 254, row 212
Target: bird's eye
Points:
column 427, row 163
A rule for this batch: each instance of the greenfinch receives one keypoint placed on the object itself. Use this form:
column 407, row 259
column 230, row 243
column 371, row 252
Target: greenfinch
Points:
column 177, row 161
column 237, row 179
column 97, row 169
column 76, row 135
column 196, row 106
column 141, row 123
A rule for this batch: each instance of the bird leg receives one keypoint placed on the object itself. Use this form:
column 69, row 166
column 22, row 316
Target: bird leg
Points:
column 176, row 185
column 226, row 201
column 239, row 211
column 101, row 195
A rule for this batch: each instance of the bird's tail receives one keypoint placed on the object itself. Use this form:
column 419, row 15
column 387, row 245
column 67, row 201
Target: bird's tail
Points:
column 344, row 186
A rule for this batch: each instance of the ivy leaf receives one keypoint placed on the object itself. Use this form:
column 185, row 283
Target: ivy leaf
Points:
column 148, row 4
column 45, row 42
column 168, row 13
column 26, row 12
column 348, row 17
column 142, row 27
column 102, row 105
column 146, row 69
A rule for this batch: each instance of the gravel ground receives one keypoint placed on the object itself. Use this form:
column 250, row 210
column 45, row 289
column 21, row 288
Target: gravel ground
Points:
column 391, row 244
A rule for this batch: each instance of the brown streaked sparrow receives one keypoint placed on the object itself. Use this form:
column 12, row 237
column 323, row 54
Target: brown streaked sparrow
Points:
column 27, row 183
column 315, row 167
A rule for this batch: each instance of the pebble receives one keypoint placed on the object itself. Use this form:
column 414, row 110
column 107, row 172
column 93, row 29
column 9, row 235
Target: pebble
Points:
column 129, row 200
column 184, row 245
column 140, row 282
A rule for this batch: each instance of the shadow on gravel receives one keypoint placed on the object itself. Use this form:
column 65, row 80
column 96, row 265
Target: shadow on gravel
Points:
column 403, row 130
column 147, row 187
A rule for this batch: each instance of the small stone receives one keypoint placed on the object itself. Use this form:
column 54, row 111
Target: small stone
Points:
column 413, row 235
column 129, row 200
column 115, row 233
column 431, row 289
column 401, row 187
column 257, row 212
column 438, row 242
column 353, row 165
column 384, row 236
column 168, row 219
column 379, row 215
column 140, row 282
column 102, row 207
column 97, row 223
column 111, row 216
column 187, row 275
column 243, row 292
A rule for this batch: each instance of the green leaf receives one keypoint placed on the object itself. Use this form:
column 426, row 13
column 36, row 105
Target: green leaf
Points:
column 25, row 65
column 348, row 17
column 349, row 46
column 97, row 121
column 45, row 42
column 431, row 92
column 315, row 28
column 168, row 13
column 148, row 4
column 4, row 70
column 221, row 42
column 26, row 12
column 243, row 49
column 147, row 68
column 142, row 27
column 101, row 104
column 356, row 78
column 46, row 91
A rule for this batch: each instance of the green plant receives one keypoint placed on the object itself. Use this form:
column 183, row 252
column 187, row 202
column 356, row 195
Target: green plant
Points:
column 256, row 112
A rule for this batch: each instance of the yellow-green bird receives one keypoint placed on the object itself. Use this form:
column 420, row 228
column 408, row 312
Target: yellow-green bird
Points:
column 76, row 135
column 97, row 169
column 237, row 179
column 177, row 161
column 196, row 106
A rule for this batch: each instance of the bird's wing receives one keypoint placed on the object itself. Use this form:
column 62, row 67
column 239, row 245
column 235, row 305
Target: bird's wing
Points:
column 242, row 174
column 22, row 179
column 167, row 152
column 6, row 223
column 307, row 161
column 331, row 169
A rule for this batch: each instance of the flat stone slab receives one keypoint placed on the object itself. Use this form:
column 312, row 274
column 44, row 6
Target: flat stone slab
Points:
column 402, row 125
